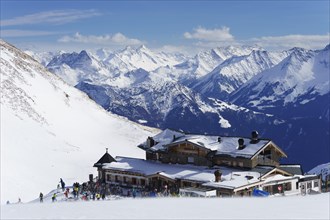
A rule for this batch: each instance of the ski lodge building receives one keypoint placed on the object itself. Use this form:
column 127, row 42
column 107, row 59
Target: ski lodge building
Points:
column 207, row 166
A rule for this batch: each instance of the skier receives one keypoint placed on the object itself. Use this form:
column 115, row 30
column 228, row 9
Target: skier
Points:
column 41, row 196
column 76, row 192
column 62, row 184
column 66, row 193
column 54, row 197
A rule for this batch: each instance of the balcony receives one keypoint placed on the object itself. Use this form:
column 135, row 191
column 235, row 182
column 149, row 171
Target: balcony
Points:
column 264, row 160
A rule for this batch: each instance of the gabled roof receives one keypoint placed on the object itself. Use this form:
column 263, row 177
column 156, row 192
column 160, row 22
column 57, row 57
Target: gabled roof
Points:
column 267, row 145
column 106, row 158
column 220, row 145
column 163, row 138
column 274, row 172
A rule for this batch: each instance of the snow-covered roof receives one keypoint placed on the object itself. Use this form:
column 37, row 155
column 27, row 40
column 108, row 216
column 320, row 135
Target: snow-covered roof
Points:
column 226, row 146
column 278, row 178
column 106, row 158
column 163, row 138
column 231, row 178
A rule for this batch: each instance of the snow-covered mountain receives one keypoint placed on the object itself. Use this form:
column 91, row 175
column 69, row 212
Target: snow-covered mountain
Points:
column 322, row 169
column 160, row 102
column 195, row 94
column 142, row 57
column 74, row 67
column 299, row 79
column 234, row 72
column 104, row 66
column 204, row 62
column 43, row 57
column 50, row 130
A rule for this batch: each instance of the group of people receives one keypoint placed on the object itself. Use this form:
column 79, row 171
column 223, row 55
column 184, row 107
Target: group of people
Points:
column 62, row 185
column 100, row 190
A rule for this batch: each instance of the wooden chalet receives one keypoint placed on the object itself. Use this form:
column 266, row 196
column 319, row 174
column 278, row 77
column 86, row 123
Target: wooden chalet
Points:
column 176, row 147
column 225, row 165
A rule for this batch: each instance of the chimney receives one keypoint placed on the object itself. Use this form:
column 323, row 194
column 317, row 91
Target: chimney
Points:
column 150, row 142
column 217, row 175
column 219, row 139
column 106, row 150
column 254, row 137
column 241, row 144
column 174, row 137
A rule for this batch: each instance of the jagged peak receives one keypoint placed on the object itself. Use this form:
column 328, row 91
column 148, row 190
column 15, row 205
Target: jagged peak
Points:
column 142, row 47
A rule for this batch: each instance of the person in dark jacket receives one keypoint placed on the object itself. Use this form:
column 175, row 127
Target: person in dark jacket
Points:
column 41, row 197
column 62, row 184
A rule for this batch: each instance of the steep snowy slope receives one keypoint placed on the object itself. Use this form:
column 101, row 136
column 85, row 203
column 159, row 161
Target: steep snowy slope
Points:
column 50, row 130
column 234, row 72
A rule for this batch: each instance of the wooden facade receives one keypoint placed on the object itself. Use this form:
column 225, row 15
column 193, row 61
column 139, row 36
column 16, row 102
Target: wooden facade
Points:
column 189, row 153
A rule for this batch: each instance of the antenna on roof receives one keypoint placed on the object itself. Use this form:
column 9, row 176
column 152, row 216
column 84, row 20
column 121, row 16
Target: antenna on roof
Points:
column 106, row 149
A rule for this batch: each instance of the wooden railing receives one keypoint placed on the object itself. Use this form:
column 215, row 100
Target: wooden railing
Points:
column 266, row 161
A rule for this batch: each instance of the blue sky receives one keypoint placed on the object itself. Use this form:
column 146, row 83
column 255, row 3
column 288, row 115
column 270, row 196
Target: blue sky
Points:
column 167, row 25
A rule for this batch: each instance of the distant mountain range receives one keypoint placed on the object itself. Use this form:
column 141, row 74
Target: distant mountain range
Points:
column 226, row 90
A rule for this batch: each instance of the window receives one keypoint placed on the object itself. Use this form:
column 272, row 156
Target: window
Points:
column 125, row 180
column 297, row 184
column 186, row 184
column 287, row 186
column 143, row 182
column 116, row 178
column 309, row 185
column 108, row 177
column 134, row 181
column 316, row 183
column 240, row 164
column 190, row 160
column 226, row 162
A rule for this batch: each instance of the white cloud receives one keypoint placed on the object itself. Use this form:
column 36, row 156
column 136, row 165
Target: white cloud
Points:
column 210, row 38
column 214, row 35
column 115, row 39
column 289, row 41
column 50, row 17
column 173, row 49
column 24, row 33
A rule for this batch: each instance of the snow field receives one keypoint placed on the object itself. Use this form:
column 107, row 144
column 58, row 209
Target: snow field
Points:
column 295, row 207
